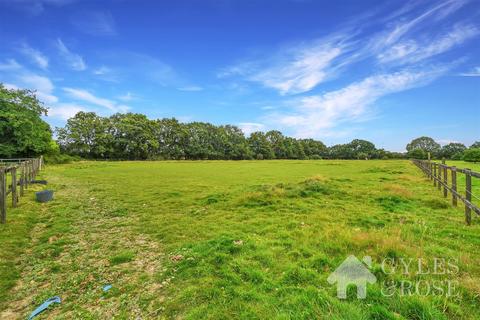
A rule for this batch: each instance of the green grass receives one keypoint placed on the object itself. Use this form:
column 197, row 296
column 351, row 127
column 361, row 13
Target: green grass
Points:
column 231, row 240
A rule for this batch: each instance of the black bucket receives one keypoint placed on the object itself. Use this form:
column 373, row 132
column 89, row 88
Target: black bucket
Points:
column 44, row 182
column 44, row 196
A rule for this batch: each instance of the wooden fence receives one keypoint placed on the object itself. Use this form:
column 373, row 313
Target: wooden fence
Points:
column 15, row 176
column 439, row 174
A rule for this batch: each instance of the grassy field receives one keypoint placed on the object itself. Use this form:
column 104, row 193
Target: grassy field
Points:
column 235, row 240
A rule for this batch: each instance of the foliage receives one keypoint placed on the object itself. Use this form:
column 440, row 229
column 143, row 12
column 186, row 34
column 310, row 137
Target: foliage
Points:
column 23, row 133
column 417, row 154
column 134, row 136
column 426, row 144
column 475, row 145
column 472, row 155
column 451, row 150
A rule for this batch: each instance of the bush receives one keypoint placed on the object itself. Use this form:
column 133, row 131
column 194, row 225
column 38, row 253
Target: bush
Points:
column 472, row 155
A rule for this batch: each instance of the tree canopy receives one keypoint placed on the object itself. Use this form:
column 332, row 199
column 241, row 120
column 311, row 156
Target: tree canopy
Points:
column 23, row 133
column 134, row 136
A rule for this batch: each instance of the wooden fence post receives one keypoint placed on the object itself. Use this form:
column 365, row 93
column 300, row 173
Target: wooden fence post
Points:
column 3, row 196
column 26, row 174
column 22, row 178
column 439, row 177
column 468, row 196
column 454, row 186
column 434, row 174
column 14, row 187
column 445, row 181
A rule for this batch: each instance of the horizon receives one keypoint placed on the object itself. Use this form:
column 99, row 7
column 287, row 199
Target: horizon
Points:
column 384, row 72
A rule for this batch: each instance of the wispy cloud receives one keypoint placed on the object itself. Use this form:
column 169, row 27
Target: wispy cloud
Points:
column 410, row 37
column 475, row 72
column 407, row 37
column 294, row 70
column 43, row 86
column 95, row 23
column 316, row 115
column 65, row 111
column 86, row 96
column 34, row 55
column 75, row 61
column 411, row 51
column 101, row 70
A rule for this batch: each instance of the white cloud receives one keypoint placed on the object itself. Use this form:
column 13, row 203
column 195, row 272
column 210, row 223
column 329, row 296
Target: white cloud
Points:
column 305, row 69
column 190, row 88
column 406, row 38
column 475, row 72
column 411, row 51
column 65, row 111
column 75, row 61
column 315, row 115
column 95, row 23
column 84, row 95
column 36, row 56
column 249, row 127
column 43, row 86
column 101, row 71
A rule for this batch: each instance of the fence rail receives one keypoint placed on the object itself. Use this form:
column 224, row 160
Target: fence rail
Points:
column 439, row 174
column 15, row 177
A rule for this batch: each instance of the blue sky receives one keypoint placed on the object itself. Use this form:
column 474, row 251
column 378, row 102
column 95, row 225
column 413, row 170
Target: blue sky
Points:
column 385, row 71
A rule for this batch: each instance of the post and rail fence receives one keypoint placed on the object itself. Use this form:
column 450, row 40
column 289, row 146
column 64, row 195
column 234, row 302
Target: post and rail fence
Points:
column 15, row 177
column 439, row 174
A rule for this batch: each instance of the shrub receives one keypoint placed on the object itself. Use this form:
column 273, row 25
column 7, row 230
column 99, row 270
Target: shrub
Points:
column 472, row 155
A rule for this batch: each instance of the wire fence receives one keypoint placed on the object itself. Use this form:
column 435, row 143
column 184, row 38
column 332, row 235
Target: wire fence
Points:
column 15, row 177
column 442, row 175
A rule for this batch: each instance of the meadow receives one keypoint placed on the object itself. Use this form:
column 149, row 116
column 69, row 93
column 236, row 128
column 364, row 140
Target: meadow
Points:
column 235, row 240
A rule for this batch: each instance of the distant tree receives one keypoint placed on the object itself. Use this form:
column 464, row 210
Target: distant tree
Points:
column 362, row 149
column 235, row 144
column 475, row 145
column 133, row 136
column 426, row 144
column 260, row 146
column 171, row 136
column 341, row 151
column 22, row 131
column 472, row 155
column 85, row 135
column 314, row 149
column 450, row 150
column 277, row 143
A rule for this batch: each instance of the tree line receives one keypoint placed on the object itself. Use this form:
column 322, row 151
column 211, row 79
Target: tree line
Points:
column 422, row 147
column 132, row 136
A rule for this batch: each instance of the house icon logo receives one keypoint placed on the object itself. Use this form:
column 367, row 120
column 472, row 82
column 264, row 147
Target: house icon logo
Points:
column 353, row 271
